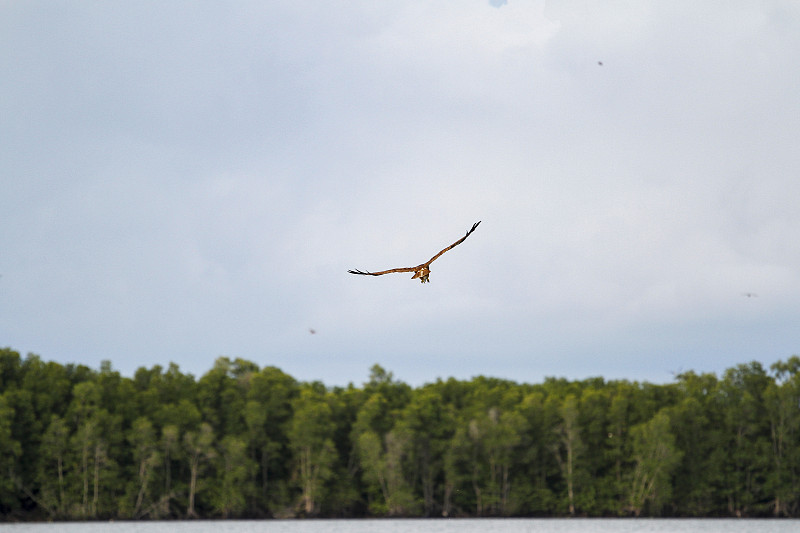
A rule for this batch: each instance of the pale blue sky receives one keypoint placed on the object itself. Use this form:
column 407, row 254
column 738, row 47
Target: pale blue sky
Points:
column 184, row 180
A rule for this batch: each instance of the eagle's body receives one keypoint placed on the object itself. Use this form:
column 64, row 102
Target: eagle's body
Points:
column 420, row 271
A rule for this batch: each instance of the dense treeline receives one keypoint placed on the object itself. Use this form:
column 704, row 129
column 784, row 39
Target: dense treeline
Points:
column 244, row 441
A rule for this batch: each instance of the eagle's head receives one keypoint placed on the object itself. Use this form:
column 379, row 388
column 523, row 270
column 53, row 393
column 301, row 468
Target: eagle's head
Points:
column 422, row 274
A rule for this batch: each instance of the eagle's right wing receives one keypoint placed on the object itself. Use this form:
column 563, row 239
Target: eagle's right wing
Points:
column 459, row 241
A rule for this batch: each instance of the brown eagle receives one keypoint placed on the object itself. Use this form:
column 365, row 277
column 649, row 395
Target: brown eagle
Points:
column 420, row 271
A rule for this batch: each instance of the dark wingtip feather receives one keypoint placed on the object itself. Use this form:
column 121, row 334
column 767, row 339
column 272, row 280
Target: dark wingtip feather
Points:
column 359, row 272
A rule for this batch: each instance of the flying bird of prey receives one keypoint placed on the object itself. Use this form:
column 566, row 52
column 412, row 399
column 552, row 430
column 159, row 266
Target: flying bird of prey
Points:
column 420, row 271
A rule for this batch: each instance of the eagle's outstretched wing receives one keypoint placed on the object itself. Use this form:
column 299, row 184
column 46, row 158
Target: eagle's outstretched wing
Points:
column 459, row 241
column 418, row 268
column 365, row 273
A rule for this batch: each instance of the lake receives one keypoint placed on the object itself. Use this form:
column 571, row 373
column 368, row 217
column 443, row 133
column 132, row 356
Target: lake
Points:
column 485, row 525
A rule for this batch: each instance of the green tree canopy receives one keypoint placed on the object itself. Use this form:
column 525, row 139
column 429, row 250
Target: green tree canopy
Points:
column 244, row 441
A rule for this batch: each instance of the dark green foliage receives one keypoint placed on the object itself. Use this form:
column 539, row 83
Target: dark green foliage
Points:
column 244, row 441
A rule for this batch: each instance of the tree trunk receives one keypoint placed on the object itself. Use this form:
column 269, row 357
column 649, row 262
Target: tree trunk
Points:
column 190, row 512
column 570, row 489
column 60, row 462
column 96, row 481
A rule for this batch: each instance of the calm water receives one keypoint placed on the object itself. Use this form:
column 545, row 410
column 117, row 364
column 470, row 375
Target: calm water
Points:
column 510, row 525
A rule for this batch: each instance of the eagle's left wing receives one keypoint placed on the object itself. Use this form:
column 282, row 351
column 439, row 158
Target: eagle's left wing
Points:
column 365, row 273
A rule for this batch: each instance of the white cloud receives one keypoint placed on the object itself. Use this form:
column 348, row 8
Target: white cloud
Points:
column 185, row 183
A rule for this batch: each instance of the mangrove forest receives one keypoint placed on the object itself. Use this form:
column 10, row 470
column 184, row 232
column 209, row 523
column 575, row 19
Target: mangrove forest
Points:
column 245, row 441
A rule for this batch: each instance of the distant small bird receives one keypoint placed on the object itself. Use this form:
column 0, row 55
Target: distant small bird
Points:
column 750, row 294
column 600, row 63
column 312, row 331
column 420, row 271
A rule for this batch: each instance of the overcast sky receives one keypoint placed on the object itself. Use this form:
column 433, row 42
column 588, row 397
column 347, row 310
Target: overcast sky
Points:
column 186, row 180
